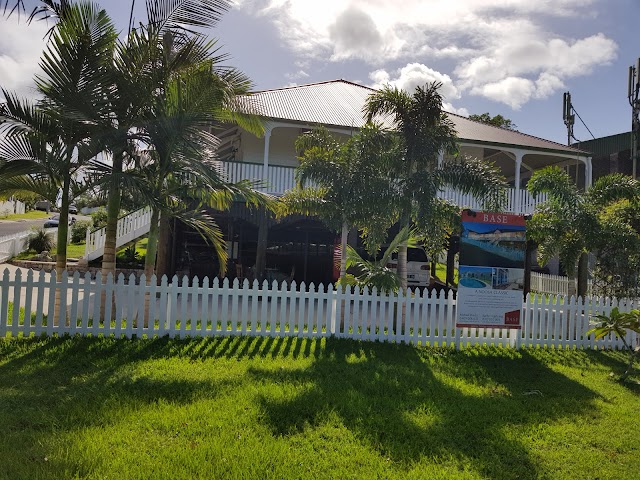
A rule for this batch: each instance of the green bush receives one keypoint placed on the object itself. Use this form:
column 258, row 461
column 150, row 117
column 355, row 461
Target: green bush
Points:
column 99, row 218
column 79, row 230
column 39, row 241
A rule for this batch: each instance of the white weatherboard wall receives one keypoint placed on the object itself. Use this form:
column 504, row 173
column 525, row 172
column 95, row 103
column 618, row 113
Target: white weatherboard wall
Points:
column 222, row 309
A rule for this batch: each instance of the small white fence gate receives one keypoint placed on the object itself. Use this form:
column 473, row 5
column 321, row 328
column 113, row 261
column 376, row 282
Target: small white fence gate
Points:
column 222, row 309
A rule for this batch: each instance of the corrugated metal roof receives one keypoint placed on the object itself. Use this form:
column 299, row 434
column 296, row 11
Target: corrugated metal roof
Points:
column 340, row 103
column 604, row 146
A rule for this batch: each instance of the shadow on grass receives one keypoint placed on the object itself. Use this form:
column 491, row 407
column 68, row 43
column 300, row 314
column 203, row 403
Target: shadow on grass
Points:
column 404, row 402
column 394, row 400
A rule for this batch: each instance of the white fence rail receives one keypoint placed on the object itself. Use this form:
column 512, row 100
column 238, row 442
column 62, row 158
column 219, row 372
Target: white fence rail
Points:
column 224, row 309
column 130, row 227
column 553, row 284
column 12, row 245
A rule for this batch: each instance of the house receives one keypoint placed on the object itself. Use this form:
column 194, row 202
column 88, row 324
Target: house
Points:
column 301, row 248
column 611, row 154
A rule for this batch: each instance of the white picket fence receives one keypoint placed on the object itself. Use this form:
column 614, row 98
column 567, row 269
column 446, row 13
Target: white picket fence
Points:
column 223, row 309
column 129, row 228
column 553, row 284
column 12, row 245
column 10, row 207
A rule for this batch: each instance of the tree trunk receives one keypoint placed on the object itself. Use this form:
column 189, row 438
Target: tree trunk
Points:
column 113, row 211
column 343, row 249
column 261, row 249
column 150, row 260
column 583, row 274
column 61, row 247
column 111, row 230
column 164, row 246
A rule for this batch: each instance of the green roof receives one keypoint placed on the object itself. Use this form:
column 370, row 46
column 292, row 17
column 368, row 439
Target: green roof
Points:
column 605, row 146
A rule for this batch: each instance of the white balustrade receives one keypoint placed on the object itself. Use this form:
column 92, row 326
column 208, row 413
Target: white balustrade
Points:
column 129, row 227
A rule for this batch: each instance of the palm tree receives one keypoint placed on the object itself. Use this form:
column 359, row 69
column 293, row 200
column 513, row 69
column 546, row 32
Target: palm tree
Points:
column 567, row 224
column 183, row 169
column 47, row 144
column 426, row 131
column 343, row 183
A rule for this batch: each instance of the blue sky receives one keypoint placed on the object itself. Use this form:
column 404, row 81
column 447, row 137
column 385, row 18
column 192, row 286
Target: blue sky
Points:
column 513, row 57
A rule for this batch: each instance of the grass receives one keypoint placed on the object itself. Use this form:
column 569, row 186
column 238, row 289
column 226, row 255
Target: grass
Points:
column 289, row 408
column 441, row 273
column 30, row 215
column 74, row 250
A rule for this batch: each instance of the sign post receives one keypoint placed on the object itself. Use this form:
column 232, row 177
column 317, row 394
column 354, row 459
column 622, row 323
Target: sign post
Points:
column 491, row 273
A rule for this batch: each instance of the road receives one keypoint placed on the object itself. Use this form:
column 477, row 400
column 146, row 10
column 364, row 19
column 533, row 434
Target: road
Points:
column 9, row 227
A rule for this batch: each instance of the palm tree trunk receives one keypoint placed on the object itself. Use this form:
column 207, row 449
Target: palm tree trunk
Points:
column 164, row 246
column 402, row 259
column 343, row 249
column 113, row 211
column 150, row 260
column 583, row 274
column 61, row 247
column 111, row 230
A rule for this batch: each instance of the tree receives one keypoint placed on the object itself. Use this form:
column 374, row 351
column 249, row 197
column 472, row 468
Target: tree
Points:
column 425, row 131
column 344, row 183
column 47, row 144
column 619, row 324
column 496, row 121
column 182, row 170
column 567, row 225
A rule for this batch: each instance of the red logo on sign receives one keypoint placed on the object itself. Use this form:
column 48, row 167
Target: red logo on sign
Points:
column 512, row 318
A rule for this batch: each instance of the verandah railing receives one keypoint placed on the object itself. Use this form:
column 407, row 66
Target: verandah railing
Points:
column 213, row 308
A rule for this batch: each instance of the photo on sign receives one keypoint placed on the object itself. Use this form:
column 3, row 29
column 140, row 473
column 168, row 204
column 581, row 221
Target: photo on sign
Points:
column 494, row 278
column 483, row 244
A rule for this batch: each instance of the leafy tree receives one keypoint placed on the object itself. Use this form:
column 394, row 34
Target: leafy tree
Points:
column 425, row 131
column 567, row 225
column 496, row 121
column 47, row 144
column 619, row 324
column 344, row 183
column 375, row 273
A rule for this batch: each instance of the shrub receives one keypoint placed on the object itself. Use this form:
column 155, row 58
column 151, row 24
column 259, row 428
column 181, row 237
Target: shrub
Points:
column 99, row 218
column 39, row 241
column 79, row 230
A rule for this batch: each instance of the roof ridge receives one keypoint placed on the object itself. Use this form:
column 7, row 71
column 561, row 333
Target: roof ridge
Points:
column 337, row 80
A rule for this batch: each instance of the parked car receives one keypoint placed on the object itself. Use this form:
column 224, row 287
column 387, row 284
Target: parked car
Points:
column 43, row 205
column 418, row 271
column 53, row 222
column 73, row 209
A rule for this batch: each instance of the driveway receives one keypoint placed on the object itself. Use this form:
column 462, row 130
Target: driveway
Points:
column 10, row 227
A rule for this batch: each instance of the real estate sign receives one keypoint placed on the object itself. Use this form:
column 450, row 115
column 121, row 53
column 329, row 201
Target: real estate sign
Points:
column 491, row 272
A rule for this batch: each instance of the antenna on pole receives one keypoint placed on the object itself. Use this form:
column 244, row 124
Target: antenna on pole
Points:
column 633, row 93
column 568, row 116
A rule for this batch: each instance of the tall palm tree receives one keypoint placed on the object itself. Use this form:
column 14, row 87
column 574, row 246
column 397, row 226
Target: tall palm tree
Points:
column 183, row 168
column 344, row 183
column 47, row 144
column 567, row 224
column 426, row 131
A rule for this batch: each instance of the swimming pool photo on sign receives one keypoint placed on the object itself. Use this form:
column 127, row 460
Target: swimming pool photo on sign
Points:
column 475, row 277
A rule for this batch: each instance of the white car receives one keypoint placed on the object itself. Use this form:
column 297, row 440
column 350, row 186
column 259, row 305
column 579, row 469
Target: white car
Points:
column 418, row 271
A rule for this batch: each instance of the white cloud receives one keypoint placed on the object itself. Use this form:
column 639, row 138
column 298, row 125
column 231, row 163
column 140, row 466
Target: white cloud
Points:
column 413, row 75
column 498, row 47
column 20, row 48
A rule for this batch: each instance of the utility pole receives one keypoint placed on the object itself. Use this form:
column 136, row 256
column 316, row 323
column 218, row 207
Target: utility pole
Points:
column 568, row 116
column 633, row 93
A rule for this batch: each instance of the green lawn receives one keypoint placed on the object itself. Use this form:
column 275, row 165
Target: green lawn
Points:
column 74, row 250
column 30, row 215
column 284, row 408
column 441, row 273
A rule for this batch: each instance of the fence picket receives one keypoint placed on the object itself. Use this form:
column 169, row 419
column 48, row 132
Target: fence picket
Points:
column 281, row 310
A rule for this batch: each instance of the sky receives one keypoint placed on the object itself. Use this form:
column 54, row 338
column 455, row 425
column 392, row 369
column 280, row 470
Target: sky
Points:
column 508, row 57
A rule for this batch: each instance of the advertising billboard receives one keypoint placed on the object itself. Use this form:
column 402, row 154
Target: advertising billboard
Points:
column 491, row 271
